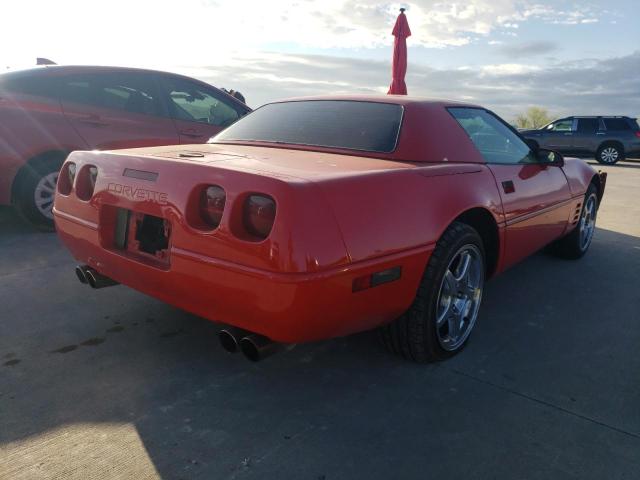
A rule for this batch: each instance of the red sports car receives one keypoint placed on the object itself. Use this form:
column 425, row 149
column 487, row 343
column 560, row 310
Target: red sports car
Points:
column 47, row 112
column 320, row 217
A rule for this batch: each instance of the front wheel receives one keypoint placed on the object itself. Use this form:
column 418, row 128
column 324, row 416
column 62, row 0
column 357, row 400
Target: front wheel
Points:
column 445, row 310
column 576, row 244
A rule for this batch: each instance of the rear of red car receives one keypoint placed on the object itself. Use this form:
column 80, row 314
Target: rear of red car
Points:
column 216, row 234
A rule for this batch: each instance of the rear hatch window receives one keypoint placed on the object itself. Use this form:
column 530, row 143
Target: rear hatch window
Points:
column 344, row 124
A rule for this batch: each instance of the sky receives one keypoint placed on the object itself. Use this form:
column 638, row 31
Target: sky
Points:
column 570, row 57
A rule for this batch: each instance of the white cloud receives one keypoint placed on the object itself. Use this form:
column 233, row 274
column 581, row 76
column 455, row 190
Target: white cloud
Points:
column 202, row 32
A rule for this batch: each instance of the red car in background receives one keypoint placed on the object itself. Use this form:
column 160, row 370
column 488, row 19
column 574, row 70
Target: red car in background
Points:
column 315, row 218
column 47, row 112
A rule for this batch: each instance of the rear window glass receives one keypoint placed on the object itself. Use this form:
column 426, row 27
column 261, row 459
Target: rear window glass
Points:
column 38, row 85
column 616, row 124
column 353, row 125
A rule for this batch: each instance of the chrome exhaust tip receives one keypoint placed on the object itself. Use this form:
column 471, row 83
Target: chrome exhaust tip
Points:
column 97, row 280
column 230, row 338
column 81, row 273
column 258, row 347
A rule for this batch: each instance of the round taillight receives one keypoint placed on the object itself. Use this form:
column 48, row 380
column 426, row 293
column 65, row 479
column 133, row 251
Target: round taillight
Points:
column 86, row 182
column 212, row 200
column 66, row 178
column 258, row 215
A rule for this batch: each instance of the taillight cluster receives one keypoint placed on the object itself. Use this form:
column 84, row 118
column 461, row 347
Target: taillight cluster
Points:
column 212, row 200
column 66, row 178
column 85, row 180
column 258, row 213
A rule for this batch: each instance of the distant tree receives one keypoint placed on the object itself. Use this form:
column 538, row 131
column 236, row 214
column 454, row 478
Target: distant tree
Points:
column 534, row 117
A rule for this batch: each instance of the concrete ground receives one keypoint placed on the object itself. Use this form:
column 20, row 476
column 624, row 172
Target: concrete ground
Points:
column 114, row 384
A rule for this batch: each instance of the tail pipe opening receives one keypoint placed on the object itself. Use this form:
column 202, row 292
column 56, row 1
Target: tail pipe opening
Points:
column 93, row 278
column 257, row 347
column 230, row 338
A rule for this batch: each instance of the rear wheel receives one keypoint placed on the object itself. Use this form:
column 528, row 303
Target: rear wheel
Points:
column 609, row 154
column 445, row 310
column 35, row 191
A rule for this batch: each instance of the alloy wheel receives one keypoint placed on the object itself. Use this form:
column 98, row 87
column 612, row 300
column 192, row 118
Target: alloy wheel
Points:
column 588, row 222
column 609, row 155
column 44, row 193
column 459, row 297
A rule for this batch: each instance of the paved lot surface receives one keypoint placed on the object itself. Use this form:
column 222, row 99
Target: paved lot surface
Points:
column 113, row 384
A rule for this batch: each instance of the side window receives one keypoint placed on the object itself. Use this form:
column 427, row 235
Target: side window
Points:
column 494, row 139
column 562, row 125
column 587, row 125
column 37, row 85
column 191, row 102
column 616, row 124
column 133, row 93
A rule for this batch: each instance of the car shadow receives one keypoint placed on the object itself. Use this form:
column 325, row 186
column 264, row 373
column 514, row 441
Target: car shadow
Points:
column 554, row 336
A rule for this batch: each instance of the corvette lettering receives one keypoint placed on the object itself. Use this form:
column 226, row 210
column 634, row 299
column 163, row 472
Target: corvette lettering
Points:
column 141, row 194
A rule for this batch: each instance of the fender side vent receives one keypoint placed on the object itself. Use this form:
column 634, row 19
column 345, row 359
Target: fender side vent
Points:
column 576, row 215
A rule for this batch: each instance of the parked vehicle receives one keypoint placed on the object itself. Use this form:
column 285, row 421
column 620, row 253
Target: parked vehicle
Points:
column 609, row 139
column 47, row 112
column 321, row 217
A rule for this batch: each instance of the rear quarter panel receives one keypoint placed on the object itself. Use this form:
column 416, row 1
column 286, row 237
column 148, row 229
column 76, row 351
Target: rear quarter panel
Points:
column 388, row 212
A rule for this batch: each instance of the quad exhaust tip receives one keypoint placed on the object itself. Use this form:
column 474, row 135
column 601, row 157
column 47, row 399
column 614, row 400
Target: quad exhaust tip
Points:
column 230, row 338
column 94, row 279
column 255, row 347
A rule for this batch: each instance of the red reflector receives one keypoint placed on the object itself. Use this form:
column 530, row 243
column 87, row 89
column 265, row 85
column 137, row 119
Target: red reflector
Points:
column 638, row 134
column 259, row 215
column 212, row 202
column 361, row 283
column 377, row 278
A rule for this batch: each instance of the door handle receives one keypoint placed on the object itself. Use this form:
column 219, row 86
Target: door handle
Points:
column 93, row 120
column 191, row 133
column 569, row 133
column 599, row 133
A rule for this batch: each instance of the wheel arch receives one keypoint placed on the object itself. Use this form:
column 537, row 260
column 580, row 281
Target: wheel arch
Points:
column 31, row 164
column 485, row 224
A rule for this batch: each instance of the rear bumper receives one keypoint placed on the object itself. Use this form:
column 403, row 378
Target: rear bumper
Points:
column 286, row 307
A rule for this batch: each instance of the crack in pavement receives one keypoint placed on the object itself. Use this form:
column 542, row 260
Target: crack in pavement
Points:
column 543, row 402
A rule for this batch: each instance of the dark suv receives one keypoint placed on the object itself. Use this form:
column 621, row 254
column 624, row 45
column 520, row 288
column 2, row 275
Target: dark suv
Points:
column 610, row 139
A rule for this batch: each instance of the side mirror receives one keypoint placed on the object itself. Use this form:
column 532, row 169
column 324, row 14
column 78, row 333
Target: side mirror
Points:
column 532, row 144
column 549, row 157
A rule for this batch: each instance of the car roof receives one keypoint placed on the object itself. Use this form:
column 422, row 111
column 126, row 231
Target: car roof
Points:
column 381, row 98
column 44, row 69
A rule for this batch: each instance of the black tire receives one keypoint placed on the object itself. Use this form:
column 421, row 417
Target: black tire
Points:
column 573, row 246
column 25, row 190
column 414, row 335
column 609, row 154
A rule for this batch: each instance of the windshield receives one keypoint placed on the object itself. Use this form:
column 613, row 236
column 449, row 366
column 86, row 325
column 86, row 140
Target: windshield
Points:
column 353, row 125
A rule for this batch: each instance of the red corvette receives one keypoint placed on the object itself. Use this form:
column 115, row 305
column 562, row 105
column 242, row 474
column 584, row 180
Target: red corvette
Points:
column 320, row 217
